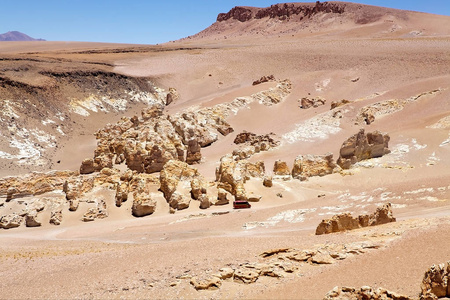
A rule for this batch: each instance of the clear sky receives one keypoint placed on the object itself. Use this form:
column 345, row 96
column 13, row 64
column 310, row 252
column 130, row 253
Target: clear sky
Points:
column 141, row 21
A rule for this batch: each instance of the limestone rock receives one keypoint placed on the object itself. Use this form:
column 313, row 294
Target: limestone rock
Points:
column 122, row 191
column 210, row 283
column 246, row 275
column 264, row 79
column 173, row 172
column 221, row 197
column 87, row 166
column 10, row 221
column 193, row 154
column 436, row 282
column 178, row 201
column 198, row 188
column 172, row 96
column 56, row 217
column 267, row 181
column 35, row 183
column 204, row 201
column 306, row 166
column 143, row 204
column 281, row 168
column 364, row 292
column 345, row 221
column 322, row 258
column 226, row 273
column 73, row 204
column 363, row 146
column 336, row 104
column 306, row 102
column 31, row 221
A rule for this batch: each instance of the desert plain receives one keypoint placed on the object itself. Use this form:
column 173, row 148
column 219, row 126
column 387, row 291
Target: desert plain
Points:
column 133, row 150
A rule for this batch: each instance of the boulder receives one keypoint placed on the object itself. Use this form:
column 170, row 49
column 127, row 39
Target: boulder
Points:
column 306, row 102
column 179, row 201
column 221, row 197
column 10, row 221
column 306, row 166
column 56, row 217
column 363, row 146
column 281, row 168
column 267, row 181
column 87, row 166
column 172, row 96
column 73, row 204
column 122, row 191
column 31, row 221
column 204, row 201
column 382, row 215
column 143, row 204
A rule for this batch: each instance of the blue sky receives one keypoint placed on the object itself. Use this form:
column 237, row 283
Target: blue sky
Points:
column 140, row 21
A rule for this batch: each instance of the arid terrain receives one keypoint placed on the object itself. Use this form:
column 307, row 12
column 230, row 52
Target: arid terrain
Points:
column 119, row 164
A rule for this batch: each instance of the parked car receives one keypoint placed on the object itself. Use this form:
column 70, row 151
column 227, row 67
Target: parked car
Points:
column 241, row 204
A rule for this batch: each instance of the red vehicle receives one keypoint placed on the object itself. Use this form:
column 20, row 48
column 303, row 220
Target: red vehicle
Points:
column 241, row 204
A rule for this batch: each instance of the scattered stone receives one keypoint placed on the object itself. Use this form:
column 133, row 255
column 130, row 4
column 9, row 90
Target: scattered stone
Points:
column 335, row 104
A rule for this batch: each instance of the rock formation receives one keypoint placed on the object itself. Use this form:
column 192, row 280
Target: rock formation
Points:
column 144, row 204
column 10, row 221
column 264, row 79
column 56, row 217
column 281, row 168
column 365, row 292
column 436, row 282
column 281, row 11
column 306, row 166
column 363, row 146
column 306, row 102
column 345, row 221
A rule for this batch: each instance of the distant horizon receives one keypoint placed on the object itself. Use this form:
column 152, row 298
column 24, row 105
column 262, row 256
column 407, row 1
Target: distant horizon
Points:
column 143, row 22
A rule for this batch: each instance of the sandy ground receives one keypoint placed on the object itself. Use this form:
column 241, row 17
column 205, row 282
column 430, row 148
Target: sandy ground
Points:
column 126, row 257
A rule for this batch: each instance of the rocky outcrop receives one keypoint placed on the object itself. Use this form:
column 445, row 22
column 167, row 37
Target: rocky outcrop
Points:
column 436, row 282
column 221, row 197
column 231, row 175
column 363, row 146
column 365, row 292
column 345, row 221
column 98, row 212
column 172, row 96
column 264, row 79
column 209, row 283
column 175, row 182
column 274, row 95
column 306, row 166
column 33, row 184
column 254, row 144
column 306, row 102
column 10, row 221
column 268, row 181
column 281, row 11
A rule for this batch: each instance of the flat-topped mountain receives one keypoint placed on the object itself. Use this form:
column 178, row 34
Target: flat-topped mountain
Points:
column 324, row 18
column 16, row 36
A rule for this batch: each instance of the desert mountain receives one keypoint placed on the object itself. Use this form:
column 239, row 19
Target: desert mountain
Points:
column 120, row 163
column 324, row 19
column 16, row 36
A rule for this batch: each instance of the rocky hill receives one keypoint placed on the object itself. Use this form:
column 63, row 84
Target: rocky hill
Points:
column 16, row 36
column 319, row 18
